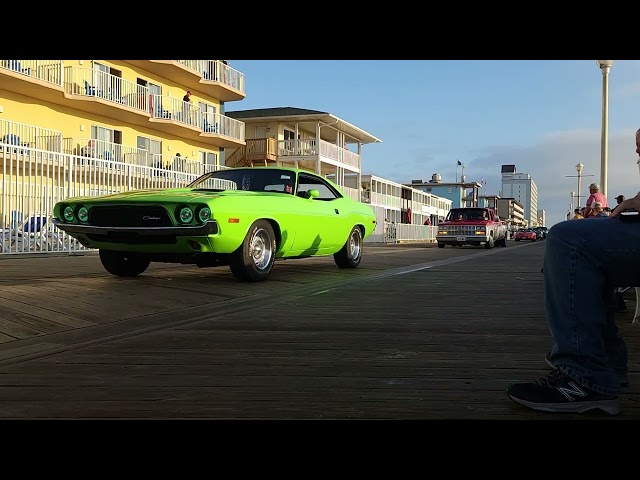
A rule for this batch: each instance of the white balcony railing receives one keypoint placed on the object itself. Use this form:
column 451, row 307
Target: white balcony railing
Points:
column 49, row 71
column 309, row 147
column 89, row 82
column 104, row 150
column 178, row 163
column 352, row 193
column 216, row 71
column 171, row 108
column 222, row 125
column 21, row 134
column 383, row 200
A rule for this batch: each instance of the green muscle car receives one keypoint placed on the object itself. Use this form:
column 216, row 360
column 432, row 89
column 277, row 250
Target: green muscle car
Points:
column 241, row 217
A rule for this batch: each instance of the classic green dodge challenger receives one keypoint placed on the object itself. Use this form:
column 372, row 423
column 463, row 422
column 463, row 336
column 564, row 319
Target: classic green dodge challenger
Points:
column 241, row 217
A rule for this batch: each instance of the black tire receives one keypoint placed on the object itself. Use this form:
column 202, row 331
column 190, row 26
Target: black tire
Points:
column 124, row 264
column 490, row 244
column 350, row 254
column 502, row 242
column 253, row 260
column 441, row 245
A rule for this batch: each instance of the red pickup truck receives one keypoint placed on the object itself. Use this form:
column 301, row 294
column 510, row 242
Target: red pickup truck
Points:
column 472, row 226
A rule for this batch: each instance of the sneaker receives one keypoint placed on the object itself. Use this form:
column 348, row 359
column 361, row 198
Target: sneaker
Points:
column 557, row 392
column 622, row 378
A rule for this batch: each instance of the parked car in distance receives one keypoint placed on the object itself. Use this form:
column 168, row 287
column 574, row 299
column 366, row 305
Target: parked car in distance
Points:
column 241, row 217
column 526, row 234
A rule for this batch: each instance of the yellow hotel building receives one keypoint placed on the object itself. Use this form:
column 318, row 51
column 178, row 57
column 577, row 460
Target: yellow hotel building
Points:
column 84, row 127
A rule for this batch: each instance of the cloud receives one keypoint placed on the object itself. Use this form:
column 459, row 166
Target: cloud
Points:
column 551, row 163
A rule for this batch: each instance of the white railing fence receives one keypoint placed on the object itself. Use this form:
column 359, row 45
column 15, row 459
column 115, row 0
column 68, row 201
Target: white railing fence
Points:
column 165, row 107
column 33, row 181
column 403, row 232
column 49, row 71
column 90, row 82
column 21, row 134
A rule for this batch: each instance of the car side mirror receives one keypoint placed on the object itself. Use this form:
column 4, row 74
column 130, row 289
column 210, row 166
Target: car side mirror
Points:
column 313, row 193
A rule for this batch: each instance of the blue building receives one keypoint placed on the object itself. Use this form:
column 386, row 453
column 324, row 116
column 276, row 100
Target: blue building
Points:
column 461, row 194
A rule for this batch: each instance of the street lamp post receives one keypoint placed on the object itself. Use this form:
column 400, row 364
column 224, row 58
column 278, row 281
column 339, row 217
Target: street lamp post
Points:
column 605, row 67
column 579, row 168
column 572, row 195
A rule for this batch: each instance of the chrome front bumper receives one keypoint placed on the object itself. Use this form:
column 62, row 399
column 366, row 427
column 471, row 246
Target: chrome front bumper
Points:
column 208, row 228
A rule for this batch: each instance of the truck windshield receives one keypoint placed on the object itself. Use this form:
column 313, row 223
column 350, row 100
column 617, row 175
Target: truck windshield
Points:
column 467, row 214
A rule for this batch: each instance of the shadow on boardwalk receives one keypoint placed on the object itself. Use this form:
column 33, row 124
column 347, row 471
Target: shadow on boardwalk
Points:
column 410, row 337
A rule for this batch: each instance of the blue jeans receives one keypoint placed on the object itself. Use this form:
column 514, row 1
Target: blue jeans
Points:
column 585, row 260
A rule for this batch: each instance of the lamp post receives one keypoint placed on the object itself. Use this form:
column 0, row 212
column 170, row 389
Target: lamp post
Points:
column 579, row 168
column 572, row 195
column 605, row 67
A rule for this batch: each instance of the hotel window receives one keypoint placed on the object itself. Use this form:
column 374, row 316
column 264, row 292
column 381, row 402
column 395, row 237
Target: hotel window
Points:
column 208, row 158
column 106, row 143
column 154, row 147
column 209, row 120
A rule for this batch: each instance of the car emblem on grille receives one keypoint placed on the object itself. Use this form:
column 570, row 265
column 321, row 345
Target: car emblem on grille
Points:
column 147, row 217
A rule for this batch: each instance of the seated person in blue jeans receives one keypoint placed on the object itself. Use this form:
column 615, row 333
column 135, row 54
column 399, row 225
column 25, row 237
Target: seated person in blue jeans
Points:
column 584, row 262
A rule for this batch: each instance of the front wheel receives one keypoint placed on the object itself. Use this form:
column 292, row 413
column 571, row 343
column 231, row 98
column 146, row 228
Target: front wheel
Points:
column 441, row 245
column 124, row 264
column 490, row 243
column 253, row 260
column 350, row 254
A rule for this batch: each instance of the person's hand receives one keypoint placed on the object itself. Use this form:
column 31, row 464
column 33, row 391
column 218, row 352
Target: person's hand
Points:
column 629, row 203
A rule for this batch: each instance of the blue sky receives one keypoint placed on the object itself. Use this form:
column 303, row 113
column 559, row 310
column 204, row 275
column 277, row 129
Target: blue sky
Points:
column 544, row 116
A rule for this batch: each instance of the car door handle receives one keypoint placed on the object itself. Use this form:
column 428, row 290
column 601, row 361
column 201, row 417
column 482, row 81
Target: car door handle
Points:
column 337, row 212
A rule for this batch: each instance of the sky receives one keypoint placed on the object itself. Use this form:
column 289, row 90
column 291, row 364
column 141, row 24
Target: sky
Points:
column 544, row 116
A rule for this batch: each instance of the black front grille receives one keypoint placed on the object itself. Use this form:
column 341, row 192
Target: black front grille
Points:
column 129, row 216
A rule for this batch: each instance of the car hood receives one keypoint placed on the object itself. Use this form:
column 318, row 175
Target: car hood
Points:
column 168, row 195
column 463, row 222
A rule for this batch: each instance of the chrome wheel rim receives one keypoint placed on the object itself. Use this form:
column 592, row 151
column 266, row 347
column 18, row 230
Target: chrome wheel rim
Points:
column 260, row 249
column 355, row 244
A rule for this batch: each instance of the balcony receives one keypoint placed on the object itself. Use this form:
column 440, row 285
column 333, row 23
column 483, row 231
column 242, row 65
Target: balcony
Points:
column 100, row 93
column 103, row 150
column 30, row 136
column 211, row 77
column 302, row 153
column 28, row 77
column 184, row 119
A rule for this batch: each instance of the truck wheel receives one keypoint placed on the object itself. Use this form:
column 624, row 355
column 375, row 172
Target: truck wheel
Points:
column 502, row 242
column 490, row 244
column 441, row 245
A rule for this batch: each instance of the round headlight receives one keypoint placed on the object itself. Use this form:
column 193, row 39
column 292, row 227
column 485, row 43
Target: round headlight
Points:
column 83, row 214
column 186, row 215
column 204, row 214
column 68, row 214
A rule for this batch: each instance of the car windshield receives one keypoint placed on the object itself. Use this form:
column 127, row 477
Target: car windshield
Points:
column 467, row 214
column 250, row 179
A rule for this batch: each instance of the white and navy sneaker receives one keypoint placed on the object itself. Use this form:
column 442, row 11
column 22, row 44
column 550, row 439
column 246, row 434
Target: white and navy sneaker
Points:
column 623, row 378
column 557, row 392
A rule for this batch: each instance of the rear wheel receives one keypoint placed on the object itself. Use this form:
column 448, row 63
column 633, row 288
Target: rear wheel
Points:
column 350, row 254
column 124, row 264
column 253, row 260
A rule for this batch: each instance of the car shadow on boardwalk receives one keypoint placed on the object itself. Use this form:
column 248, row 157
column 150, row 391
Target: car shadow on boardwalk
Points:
column 412, row 334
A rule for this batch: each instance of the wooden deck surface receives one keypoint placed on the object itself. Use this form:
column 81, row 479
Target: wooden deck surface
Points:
column 415, row 333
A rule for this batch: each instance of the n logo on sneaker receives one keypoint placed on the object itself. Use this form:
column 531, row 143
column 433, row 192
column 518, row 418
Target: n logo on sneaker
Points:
column 572, row 389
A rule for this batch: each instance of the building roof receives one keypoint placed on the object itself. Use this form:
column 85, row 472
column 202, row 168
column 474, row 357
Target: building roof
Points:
column 444, row 184
column 307, row 118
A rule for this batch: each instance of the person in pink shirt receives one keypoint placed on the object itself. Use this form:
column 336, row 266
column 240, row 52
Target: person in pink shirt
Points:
column 596, row 196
